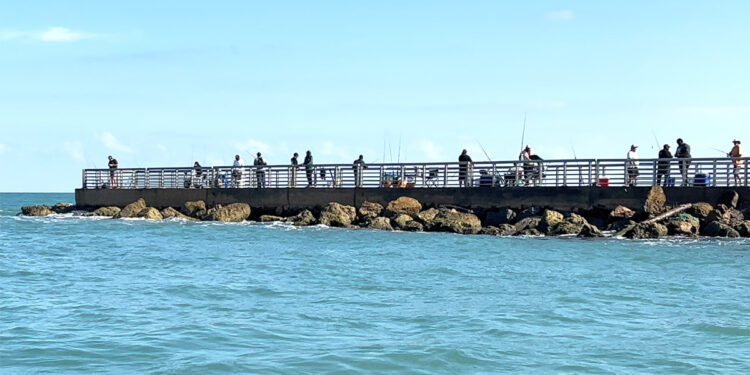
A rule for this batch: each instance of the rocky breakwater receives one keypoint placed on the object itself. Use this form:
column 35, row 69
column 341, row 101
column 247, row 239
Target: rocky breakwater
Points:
column 653, row 219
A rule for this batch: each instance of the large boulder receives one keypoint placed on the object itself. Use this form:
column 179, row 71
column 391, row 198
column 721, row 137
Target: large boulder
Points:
column 529, row 232
column 402, row 220
column 743, row 228
column 449, row 220
column 701, row 210
column 62, row 208
column 649, row 230
column 403, row 205
column 413, row 226
column 655, row 200
column 110, row 211
column 335, row 214
column 620, row 225
column 150, row 213
column 550, row 219
column 684, row 225
column 39, row 210
column 529, row 212
column 570, row 225
column 232, row 213
column 528, row 223
column 726, row 215
column 427, row 215
column 369, row 210
column 304, row 218
column 196, row 209
column 171, row 213
column 729, row 199
column 381, row 223
column 502, row 230
column 269, row 218
column 132, row 210
column 620, row 213
column 718, row 229
column 590, row 231
column 500, row 217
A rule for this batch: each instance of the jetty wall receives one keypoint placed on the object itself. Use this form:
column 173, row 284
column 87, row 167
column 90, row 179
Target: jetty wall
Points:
column 287, row 200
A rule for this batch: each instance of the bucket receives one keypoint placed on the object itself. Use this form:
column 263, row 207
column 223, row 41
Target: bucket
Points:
column 603, row 182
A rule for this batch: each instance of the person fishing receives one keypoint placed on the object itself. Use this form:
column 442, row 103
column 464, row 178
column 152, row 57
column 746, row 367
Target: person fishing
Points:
column 357, row 166
column 528, row 166
column 260, row 174
column 197, row 175
column 683, row 154
column 309, row 168
column 464, row 169
column 293, row 169
column 736, row 154
column 112, row 163
column 663, row 166
column 632, row 169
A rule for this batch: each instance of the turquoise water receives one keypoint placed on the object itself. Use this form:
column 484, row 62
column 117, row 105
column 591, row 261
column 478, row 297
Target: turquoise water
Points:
column 130, row 296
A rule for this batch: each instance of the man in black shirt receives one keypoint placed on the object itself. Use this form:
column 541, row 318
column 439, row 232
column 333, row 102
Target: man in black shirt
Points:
column 309, row 168
column 260, row 174
column 357, row 166
column 464, row 169
column 664, row 166
column 683, row 152
column 112, row 169
column 293, row 170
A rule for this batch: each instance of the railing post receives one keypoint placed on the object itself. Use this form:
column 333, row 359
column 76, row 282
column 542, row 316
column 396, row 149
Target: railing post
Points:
column 565, row 173
column 746, row 161
column 713, row 178
column 596, row 171
column 145, row 177
column 445, row 175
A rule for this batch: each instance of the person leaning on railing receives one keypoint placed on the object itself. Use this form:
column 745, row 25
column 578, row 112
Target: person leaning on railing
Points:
column 736, row 153
column 464, row 168
column 358, row 165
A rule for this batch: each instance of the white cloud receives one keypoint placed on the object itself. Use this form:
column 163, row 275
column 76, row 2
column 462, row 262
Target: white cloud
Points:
column 109, row 141
column 51, row 34
column 431, row 150
column 75, row 150
column 560, row 15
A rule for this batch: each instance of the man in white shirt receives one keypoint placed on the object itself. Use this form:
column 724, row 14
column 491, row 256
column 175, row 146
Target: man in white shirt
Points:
column 632, row 166
column 237, row 170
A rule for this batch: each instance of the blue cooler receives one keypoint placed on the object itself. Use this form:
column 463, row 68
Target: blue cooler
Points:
column 702, row 179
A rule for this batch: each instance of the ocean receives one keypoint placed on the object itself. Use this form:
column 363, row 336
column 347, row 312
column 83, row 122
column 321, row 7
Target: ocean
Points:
column 87, row 295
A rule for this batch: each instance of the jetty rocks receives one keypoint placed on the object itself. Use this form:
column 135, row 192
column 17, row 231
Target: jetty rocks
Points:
column 654, row 218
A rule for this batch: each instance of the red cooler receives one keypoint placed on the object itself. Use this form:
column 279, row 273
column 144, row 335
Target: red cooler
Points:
column 603, row 182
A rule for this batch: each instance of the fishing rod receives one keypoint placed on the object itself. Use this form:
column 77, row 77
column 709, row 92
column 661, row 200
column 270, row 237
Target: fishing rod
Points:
column 720, row 150
column 656, row 139
column 523, row 132
column 485, row 152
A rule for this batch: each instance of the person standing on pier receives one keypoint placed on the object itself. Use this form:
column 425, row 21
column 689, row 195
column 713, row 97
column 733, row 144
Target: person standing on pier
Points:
column 736, row 153
column 464, row 169
column 663, row 166
column 237, row 171
column 632, row 169
column 528, row 166
column 260, row 174
column 358, row 165
column 683, row 153
column 197, row 175
column 309, row 168
column 112, row 171
column 293, row 170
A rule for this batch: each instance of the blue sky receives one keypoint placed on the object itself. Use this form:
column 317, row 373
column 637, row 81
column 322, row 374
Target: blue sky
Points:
column 165, row 83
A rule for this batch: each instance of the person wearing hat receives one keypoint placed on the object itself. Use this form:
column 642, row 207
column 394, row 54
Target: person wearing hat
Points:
column 260, row 174
column 736, row 154
column 664, row 166
column 632, row 169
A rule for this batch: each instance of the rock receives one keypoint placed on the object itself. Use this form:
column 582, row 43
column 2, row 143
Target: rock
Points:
column 717, row 229
column 529, row 232
column 370, row 210
column 381, row 223
column 304, row 218
column 743, row 228
column 402, row 220
column 448, row 220
column 726, row 215
column 549, row 220
column 171, row 213
column 413, row 226
column 651, row 230
column 210, row 213
column 62, row 208
column 39, row 210
column 150, row 213
column 335, row 214
column 403, row 205
column 502, row 230
column 110, row 211
column 490, row 230
column 701, row 210
column 427, row 215
column 196, row 209
column 620, row 213
column 684, row 225
column 570, row 225
column 729, row 199
column 655, row 200
column 590, row 231
column 529, row 212
column 502, row 216
column 595, row 221
column 232, row 213
column 132, row 210
column 269, row 218
column 620, row 225
column 527, row 223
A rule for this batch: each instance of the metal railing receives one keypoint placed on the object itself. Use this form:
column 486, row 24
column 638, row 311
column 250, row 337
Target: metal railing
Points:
column 571, row 172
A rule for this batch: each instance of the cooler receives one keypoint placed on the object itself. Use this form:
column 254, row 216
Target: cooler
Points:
column 603, row 182
column 702, row 179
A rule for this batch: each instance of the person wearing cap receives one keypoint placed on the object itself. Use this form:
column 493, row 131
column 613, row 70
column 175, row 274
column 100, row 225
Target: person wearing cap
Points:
column 736, row 154
column 664, row 166
column 632, row 169
column 237, row 170
column 683, row 153
column 260, row 174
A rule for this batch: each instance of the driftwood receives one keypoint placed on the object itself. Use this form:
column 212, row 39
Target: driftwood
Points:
column 666, row 215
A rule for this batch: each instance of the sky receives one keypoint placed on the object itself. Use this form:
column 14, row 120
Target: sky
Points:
column 167, row 83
